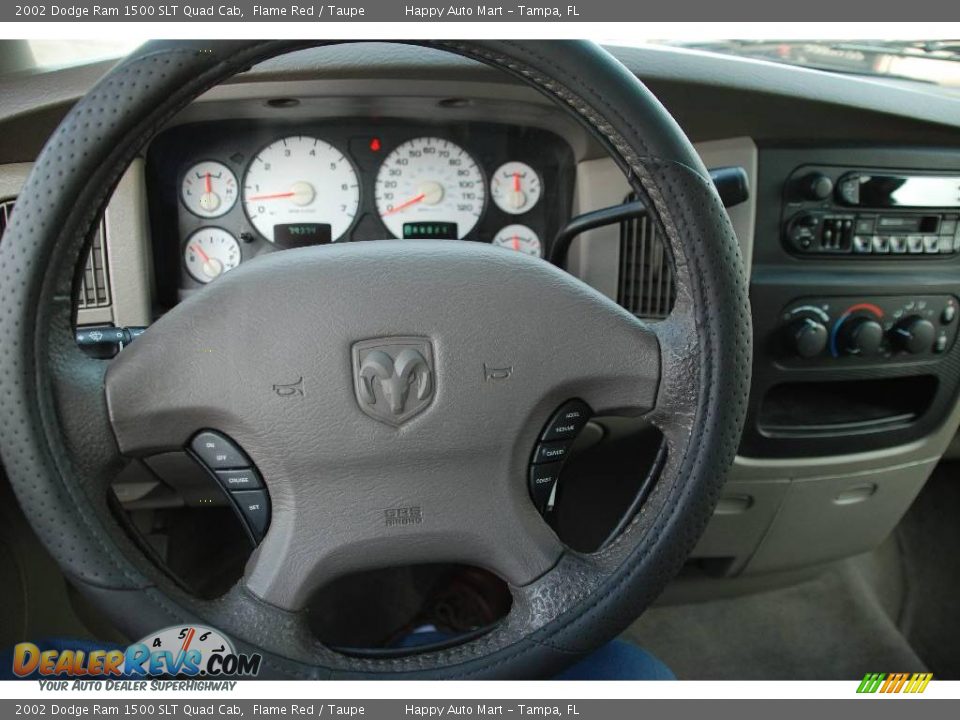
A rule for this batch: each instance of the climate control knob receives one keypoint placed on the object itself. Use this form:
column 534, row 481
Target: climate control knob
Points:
column 913, row 334
column 807, row 337
column 861, row 336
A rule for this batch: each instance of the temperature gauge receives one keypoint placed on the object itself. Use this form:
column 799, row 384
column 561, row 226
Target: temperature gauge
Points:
column 519, row 238
column 515, row 187
column 209, row 253
column 209, row 189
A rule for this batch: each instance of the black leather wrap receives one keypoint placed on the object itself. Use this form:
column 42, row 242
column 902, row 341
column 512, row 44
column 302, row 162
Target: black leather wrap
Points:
column 52, row 410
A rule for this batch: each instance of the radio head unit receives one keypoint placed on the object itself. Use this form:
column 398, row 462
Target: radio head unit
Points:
column 843, row 211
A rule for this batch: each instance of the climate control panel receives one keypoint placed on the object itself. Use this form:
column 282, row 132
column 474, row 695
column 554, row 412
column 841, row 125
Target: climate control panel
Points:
column 834, row 330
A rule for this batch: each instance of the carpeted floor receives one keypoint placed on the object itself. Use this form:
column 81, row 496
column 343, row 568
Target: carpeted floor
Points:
column 830, row 628
column 929, row 539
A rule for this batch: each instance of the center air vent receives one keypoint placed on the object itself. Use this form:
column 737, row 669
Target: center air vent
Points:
column 645, row 286
column 95, row 284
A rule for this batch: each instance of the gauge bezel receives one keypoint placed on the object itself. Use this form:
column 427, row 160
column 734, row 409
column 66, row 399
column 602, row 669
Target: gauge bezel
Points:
column 338, row 148
column 484, row 178
column 185, row 173
column 186, row 242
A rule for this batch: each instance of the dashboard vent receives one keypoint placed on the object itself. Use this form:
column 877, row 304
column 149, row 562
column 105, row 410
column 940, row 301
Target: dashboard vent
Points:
column 6, row 207
column 95, row 283
column 645, row 286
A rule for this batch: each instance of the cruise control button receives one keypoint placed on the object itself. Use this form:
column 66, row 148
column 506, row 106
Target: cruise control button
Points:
column 567, row 421
column 551, row 452
column 217, row 452
column 246, row 479
column 255, row 507
column 543, row 480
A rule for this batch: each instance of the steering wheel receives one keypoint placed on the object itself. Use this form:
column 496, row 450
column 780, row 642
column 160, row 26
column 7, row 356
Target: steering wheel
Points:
column 69, row 423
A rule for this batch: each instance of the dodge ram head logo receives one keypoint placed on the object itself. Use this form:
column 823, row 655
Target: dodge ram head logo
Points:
column 393, row 377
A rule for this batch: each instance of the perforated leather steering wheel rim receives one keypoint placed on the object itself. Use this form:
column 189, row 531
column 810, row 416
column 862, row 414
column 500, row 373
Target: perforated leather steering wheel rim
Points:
column 59, row 457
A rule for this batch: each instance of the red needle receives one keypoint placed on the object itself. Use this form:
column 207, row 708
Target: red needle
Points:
column 516, row 182
column 201, row 253
column 405, row 205
column 208, row 185
column 272, row 197
column 516, row 243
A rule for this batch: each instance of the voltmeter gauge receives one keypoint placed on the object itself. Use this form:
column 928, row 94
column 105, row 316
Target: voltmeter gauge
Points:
column 515, row 187
column 209, row 189
column 519, row 238
column 209, row 253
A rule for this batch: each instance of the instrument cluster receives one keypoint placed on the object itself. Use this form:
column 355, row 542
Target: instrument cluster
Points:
column 228, row 191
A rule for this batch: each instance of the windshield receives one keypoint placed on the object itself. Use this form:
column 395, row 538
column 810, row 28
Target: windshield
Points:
column 928, row 61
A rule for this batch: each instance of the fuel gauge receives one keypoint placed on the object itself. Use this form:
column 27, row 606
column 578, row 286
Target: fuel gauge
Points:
column 209, row 189
column 519, row 238
column 209, row 253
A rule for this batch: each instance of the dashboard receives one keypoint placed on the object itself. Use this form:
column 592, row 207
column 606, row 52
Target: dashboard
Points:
column 224, row 192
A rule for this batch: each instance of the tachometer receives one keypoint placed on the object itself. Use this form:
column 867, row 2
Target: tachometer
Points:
column 429, row 181
column 301, row 179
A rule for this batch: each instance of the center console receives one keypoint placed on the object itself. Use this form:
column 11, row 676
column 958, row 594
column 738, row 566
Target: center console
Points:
column 855, row 294
column 855, row 286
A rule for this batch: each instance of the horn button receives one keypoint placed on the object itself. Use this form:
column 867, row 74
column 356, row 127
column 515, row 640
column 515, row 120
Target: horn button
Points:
column 388, row 395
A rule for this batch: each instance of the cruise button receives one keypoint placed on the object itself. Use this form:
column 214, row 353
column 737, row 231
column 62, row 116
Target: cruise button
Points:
column 239, row 479
column 254, row 505
column 567, row 421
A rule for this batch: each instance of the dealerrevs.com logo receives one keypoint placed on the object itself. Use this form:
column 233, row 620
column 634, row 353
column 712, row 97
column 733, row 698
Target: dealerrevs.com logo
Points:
column 189, row 651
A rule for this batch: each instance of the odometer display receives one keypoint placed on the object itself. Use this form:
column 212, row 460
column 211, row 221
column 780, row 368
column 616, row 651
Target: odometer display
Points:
column 430, row 180
column 300, row 180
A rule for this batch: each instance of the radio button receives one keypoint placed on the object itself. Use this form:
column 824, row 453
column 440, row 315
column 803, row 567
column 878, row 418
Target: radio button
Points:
column 898, row 244
column 849, row 190
column 862, row 245
column 931, row 244
column 881, row 244
column 949, row 313
column 945, row 244
column 915, row 244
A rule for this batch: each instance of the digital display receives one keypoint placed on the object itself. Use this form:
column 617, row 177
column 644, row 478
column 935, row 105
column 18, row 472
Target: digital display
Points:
column 430, row 231
column 294, row 235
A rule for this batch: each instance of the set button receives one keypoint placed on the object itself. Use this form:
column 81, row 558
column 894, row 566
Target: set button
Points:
column 237, row 475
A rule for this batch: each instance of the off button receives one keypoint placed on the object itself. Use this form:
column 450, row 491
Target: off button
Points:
column 217, row 452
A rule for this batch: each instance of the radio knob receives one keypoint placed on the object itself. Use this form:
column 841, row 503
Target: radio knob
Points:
column 861, row 336
column 913, row 334
column 807, row 337
column 816, row 186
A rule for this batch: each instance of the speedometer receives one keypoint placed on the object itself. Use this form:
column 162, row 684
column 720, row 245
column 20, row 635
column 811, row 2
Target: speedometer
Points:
column 299, row 180
column 427, row 183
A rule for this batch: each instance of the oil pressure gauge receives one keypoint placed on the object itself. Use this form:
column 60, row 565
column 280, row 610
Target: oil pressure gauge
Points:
column 519, row 238
column 209, row 189
column 209, row 253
